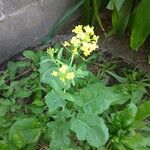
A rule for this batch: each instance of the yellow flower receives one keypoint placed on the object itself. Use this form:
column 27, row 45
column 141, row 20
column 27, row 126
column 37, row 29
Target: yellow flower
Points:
column 65, row 44
column 51, row 51
column 87, row 48
column 85, row 40
column 93, row 46
column 64, row 73
column 63, row 69
column 89, row 30
column 78, row 29
column 70, row 75
column 75, row 51
column 75, row 41
column 86, row 53
column 95, row 38
column 85, row 44
column 81, row 35
column 55, row 73
column 62, row 79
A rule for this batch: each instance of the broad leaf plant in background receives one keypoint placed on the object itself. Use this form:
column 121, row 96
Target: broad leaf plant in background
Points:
column 60, row 104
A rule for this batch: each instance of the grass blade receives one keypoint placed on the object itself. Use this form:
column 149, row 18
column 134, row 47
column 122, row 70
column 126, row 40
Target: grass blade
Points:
column 86, row 12
column 96, row 12
column 141, row 25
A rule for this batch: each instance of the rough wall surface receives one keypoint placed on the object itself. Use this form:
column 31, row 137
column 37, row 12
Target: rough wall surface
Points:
column 24, row 22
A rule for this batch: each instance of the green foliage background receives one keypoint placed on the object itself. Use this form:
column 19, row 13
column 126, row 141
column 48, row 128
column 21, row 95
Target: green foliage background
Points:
column 35, row 112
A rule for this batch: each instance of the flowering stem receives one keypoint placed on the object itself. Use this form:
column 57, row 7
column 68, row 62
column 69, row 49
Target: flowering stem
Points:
column 64, row 90
column 72, row 58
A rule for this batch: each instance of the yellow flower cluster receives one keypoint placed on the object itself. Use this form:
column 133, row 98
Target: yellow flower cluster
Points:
column 85, row 40
column 51, row 51
column 63, row 73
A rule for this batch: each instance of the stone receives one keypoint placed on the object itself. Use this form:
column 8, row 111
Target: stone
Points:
column 23, row 23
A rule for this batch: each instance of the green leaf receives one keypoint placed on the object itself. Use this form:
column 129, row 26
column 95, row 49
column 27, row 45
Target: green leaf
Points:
column 91, row 128
column 141, row 25
column 60, row 135
column 3, row 145
column 97, row 15
column 36, row 109
column 147, row 141
column 3, row 85
column 31, row 55
column 96, row 98
column 131, row 91
column 101, row 148
column 21, row 93
column 68, row 96
column 4, row 107
column 120, row 18
column 54, row 100
column 25, row 131
column 137, row 92
column 134, row 142
column 60, row 53
column 86, row 12
column 119, row 146
column 12, row 69
column 115, row 4
column 31, row 147
column 143, row 111
column 117, row 77
column 22, row 64
column 46, row 68
column 125, row 117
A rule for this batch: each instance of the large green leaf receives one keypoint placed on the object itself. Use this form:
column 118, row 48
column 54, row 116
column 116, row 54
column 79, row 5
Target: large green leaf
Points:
column 25, row 131
column 4, row 106
column 3, row 145
column 31, row 55
column 135, row 142
column 141, row 25
column 46, row 68
column 143, row 111
column 131, row 91
column 125, row 117
column 120, row 18
column 60, row 134
column 91, row 128
column 137, row 92
column 96, row 98
column 54, row 100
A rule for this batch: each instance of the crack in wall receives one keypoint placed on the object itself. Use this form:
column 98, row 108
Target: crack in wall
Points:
column 2, row 15
column 41, row 4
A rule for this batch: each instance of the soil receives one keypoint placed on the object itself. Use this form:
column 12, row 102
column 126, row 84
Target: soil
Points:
column 119, row 48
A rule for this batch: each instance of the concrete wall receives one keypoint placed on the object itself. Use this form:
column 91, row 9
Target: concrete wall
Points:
column 24, row 22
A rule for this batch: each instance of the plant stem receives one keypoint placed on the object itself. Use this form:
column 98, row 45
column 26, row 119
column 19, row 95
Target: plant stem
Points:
column 72, row 58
